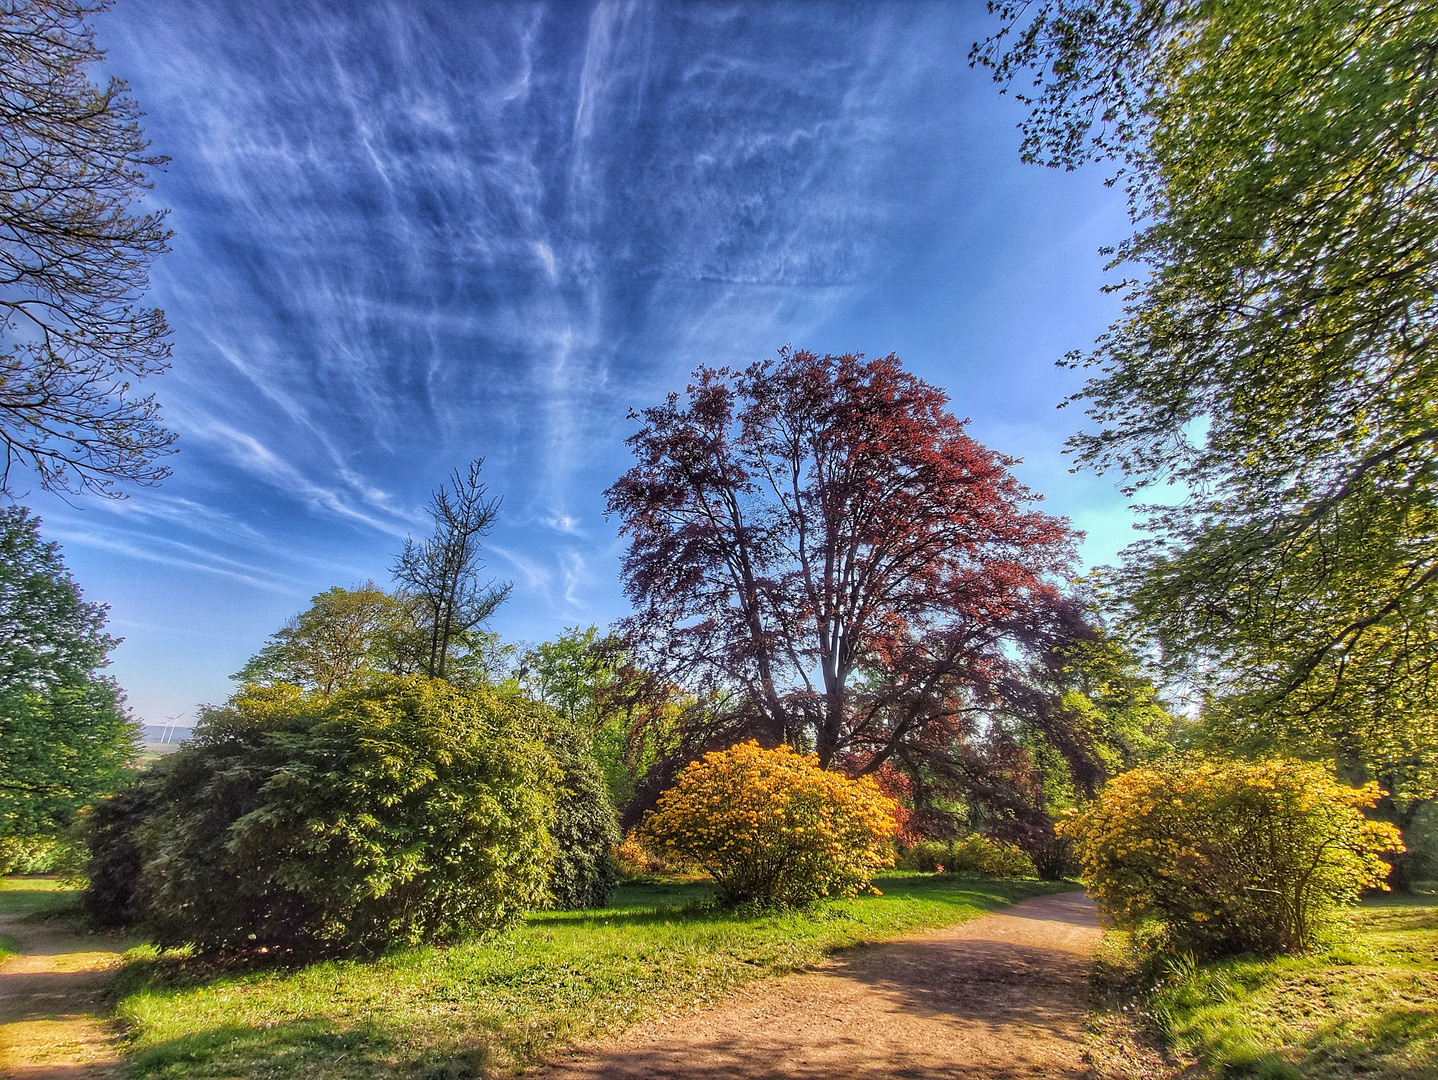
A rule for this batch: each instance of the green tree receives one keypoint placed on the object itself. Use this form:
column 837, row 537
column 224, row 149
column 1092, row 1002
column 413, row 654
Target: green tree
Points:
column 570, row 673
column 74, row 261
column 66, row 738
column 1112, row 707
column 441, row 573
column 1276, row 356
column 357, row 641
column 595, row 683
column 347, row 636
column 331, row 644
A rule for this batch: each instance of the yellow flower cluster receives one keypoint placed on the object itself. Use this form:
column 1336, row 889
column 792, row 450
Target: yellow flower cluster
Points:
column 1231, row 855
column 773, row 825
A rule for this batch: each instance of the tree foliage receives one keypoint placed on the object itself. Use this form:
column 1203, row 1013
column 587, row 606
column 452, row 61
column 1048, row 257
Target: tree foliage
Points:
column 74, row 261
column 817, row 546
column 65, row 736
column 1276, row 355
column 585, row 828
column 344, row 635
column 402, row 811
column 775, row 825
column 348, row 636
column 596, row 683
column 352, row 639
column 442, row 572
column 1231, row 856
column 1111, row 714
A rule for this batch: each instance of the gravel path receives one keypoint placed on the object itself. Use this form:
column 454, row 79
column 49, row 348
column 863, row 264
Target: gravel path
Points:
column 52, row 1004
column 1002, row 997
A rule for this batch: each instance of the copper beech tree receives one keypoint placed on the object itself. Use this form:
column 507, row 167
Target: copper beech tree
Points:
column 816, row 543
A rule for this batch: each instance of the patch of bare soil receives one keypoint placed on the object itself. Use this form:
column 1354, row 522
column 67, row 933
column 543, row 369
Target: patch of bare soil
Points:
column 52, row 1006
column 1003, row 997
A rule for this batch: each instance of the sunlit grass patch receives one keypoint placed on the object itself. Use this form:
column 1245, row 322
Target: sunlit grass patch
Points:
column 31, row 895
column 1368, row 1006
column 448, row 1012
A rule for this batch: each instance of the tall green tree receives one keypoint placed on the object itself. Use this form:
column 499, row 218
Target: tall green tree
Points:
column 1276, row 357
column 343, row 635
column 74, row 261
column 64, row 737
column 1113, row 715
column 346, row 637
column 594, row 682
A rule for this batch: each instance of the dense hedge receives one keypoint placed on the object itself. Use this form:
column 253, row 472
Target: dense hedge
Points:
column 585, row 829
column 970, row 855
column 1231, row 856
column 773, row 825
column 403, row 811
column 111, row 829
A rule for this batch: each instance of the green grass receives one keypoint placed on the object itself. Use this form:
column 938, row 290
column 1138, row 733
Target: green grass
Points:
column 1366, row 1007
column 444, row 1013
column 29, row 896
column 32, row 895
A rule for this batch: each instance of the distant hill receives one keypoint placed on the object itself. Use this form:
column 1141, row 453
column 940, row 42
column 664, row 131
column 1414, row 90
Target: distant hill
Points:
column 159, row 739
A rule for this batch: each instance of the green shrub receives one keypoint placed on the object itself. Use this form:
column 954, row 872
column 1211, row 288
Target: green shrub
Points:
column 971, row 855
column 1053, row 857
column 585, row 827
column 403, row 811
column 38, row 855
column 1230, row 856
column 115, row 865
column 772, row 825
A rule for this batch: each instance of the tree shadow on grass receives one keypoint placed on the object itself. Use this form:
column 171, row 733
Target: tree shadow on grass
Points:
column 301, row 1046
column 311, row 1048
column 1398, row 1043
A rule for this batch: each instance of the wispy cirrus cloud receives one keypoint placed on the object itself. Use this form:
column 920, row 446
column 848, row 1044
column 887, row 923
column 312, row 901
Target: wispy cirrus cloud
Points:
column 155, row 549
column 408, row 234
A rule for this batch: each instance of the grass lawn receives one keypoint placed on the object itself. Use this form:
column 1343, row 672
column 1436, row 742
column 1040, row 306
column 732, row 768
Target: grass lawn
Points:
column 445, row 1013
column 1368, row 1007
column 28, row 895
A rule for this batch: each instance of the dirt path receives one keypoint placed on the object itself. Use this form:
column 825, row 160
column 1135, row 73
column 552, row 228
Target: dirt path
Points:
column 1002, row 997
column 52, row 1006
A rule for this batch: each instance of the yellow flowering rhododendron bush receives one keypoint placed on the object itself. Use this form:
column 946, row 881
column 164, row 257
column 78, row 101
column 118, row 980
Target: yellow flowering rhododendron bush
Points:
column 1231, row 856
column 773, row 825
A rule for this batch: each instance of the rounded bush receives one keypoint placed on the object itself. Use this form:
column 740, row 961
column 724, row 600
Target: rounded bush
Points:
column 772, row 825
column 1231, row 856
column 971, row 855
column 403, row 811
column 585, row 828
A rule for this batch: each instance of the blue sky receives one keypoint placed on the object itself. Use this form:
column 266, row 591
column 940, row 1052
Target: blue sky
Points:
column 410, row 234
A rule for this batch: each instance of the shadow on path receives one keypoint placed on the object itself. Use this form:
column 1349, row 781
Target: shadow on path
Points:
column 52, row 1001
column 1002, row 997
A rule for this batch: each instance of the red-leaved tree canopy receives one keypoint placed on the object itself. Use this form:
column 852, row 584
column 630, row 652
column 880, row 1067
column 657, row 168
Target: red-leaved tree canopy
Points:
column 818, row 542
